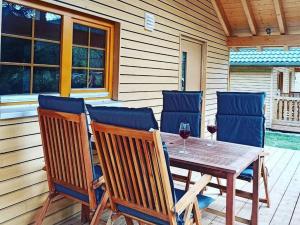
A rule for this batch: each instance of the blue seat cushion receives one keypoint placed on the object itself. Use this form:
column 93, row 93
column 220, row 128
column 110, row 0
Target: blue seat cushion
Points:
column 62, row 104
column 143, row 216
column 170, row 122
column 77, row 195
column 246, row 130
column 182, row 101
column 135, row 118
column 247, row 174
column 241, row 103
column 203, row 201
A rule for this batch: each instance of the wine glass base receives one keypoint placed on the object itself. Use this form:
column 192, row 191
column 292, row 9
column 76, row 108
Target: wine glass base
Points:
column 183, row 152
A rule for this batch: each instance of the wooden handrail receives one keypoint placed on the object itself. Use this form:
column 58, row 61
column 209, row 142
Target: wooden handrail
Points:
column 286, row 109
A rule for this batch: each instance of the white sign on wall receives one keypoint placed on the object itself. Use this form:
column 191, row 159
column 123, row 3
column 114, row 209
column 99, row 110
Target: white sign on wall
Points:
column 149, row 21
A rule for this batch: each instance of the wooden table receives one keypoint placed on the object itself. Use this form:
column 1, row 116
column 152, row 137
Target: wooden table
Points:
column 219, row 159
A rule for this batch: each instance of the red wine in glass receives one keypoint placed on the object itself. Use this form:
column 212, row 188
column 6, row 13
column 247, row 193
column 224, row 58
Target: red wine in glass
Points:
column 184, row 132
column 212, row 129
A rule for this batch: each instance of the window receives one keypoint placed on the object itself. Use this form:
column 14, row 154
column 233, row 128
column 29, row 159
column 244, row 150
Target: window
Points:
column 183, row 70
column 38, row 55
column 297, row 82
column 280, row 81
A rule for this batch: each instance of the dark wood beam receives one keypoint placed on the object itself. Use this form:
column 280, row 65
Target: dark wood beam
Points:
column 222, row 16
column 280, row 16
column 273, row 40
column 250, row 16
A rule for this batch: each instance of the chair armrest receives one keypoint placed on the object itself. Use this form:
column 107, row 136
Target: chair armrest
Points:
column 191, row 194
column 99, row 182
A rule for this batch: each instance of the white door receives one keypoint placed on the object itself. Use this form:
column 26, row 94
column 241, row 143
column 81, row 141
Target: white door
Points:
column 191, row 54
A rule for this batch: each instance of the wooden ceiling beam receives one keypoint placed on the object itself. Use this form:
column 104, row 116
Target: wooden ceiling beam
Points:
column 273, row 40
column 250, row 16
column 280, row 16
column 222, row 16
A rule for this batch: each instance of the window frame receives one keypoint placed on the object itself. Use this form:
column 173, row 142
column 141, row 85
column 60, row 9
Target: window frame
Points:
column 69, row 17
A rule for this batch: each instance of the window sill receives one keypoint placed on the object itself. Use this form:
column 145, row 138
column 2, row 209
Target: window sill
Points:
column 29, row 110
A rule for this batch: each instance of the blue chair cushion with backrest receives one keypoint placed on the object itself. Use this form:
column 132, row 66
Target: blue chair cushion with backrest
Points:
column 135, row 118
column 74, row 106
column 181, row 106
column 240, row 119
column 182, row 101
column 141, row 119
column 170, row 122
column 241, row 103
column 246, row 130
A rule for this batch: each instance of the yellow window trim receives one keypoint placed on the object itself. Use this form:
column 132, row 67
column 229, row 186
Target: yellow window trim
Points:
column 68, row 18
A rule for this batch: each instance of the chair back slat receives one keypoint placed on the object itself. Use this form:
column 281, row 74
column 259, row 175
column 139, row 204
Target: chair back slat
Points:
column 63, row 148
column 134, row 168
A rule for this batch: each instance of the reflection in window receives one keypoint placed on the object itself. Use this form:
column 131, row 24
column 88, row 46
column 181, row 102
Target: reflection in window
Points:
column 88, row 57
column 25, row 29
column 14, row 80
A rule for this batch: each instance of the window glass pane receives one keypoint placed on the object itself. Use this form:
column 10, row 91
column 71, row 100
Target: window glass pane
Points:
column 16, row 19
column 79, row 57
column 45, row 80
column 98, row 38
column 80, row 35
column 15, row 50
column 47, row 25
column 183, row 70
column 96, row 58
column 46, row 53
column 79, row 78
column 96, row 79
column 14, row 80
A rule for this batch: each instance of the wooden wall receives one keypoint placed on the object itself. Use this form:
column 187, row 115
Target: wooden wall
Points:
column 149, row 64
column 254, row 82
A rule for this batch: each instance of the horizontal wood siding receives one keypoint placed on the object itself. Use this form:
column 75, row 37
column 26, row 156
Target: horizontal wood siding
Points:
column 254, row 82
column 149, row 64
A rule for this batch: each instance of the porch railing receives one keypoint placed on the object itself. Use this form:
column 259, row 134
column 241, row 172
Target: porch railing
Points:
column 286, row 108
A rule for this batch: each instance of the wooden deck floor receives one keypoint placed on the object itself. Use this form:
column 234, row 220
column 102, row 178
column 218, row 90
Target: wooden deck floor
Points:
column 284, row 181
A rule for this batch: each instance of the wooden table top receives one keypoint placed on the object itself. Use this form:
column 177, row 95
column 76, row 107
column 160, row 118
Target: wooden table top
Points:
column 210, row 155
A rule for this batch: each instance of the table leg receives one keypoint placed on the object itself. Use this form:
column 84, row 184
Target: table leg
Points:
column 230, row 202
column 255, row 198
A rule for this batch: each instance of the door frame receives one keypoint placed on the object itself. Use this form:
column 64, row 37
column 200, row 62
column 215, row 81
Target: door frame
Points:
column 203, row 77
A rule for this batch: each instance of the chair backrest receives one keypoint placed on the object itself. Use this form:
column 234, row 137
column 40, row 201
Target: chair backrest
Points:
column 66, row 147
column 181, row 106
column 133, row 163
column 240, row 118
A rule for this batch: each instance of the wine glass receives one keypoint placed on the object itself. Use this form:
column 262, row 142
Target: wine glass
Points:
column 184, row 132
column 211, row 128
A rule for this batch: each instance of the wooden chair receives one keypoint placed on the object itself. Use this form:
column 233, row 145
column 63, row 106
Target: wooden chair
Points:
column 240, row 119
column 182, row 106
column 68, row 158
column 137, row 173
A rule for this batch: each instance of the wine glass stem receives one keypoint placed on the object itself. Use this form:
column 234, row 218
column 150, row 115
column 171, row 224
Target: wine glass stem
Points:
column 184, row 145
column 211, row 137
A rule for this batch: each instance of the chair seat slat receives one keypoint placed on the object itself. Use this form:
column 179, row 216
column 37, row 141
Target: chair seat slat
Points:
column 131, row 169
column 137, row 166
column 123, row 161
column 117, row 149
column 151, row 175
column 145, row 174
